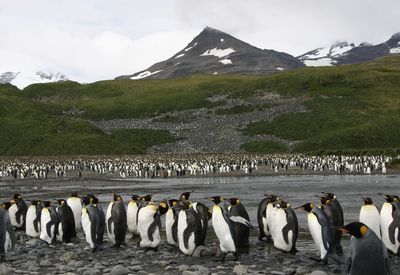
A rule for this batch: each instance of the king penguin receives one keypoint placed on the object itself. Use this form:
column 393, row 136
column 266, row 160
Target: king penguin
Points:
column 149, row 224
column 189, row 229
column 66, row 222
column 116, row 221
column 48, row 223
column 390, row 223
column 286, row 228
column 92, row 223
column 76, row 206
column 369, row 215
column 7, row 234
column 367, row 254
column 132, row 213
column 204, row 214
column 331, row 206
column 33, row 219
column 171, row 222
column 223, row 224
column 242, row 231
column 264, row 216
column 17, row 212
column 320, row 229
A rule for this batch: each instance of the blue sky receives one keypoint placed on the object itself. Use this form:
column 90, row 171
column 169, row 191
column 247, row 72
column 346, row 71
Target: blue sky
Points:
column 100, row 39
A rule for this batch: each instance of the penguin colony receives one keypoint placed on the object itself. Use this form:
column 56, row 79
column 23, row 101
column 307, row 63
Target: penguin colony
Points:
column 199, row 165
column 186, row 225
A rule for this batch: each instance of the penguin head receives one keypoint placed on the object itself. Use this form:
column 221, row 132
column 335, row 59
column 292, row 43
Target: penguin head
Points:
column 185, row 205
column 325, row 200
column 356, row 229
column 163, row 207
column 388, row 198
column 330, row 196
column 117, row 197
column 184, row 196
column 272, row 198
column 172, row 202
column 135, row 197
column 17, row 196
column 282, row 204
column 307, row 207
column 61, row 202
column 367, row 201
column 234, row 201
column 93, row 199
column 47, row 203
column 35, row 202
column 74, row 194
column 86, row 200
column 5, row 205
column 146, row 198
column 216, row 199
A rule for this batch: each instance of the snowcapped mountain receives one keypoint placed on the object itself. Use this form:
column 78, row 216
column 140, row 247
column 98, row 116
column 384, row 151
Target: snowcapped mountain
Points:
column 216, row 52
column 24, row 78
column 345, row 53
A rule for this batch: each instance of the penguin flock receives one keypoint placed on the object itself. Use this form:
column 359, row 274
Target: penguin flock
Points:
column 186, row 225
column 175, row 166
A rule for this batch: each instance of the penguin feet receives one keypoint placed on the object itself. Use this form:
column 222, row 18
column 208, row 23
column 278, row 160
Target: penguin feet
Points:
column 319, row 260
column 222, row 258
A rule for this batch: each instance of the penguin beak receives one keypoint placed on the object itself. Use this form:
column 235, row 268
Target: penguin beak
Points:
column 299, row 208
column 343, row 230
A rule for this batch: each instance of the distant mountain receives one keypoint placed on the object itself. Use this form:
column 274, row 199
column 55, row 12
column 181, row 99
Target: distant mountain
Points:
column 216, row 52
column 23, row 78
column 344, row 53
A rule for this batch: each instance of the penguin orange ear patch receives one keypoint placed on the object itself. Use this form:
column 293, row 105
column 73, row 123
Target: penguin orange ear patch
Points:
column 363, row 230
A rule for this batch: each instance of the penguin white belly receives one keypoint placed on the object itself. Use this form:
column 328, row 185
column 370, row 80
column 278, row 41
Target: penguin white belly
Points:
column 169, row 221
column 110, row 229
column 182, row 225
column 369, row 215
column 45, row 218
column 76, row 206
column 131, row 217
column 221, row 229
column 86, row 226
column 316, row 234
column 268, row 212
column 30, row 228
column 60, row 233
column 7, row 243
column 145, row 219
column 386, row 219
column 12, row 212
column 271, row 219
column 279, row 221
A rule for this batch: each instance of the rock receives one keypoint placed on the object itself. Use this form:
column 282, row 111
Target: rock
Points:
column 183, row 267
column 93, row 271
column 187, row 272
column 318, row 272
column 33, row 268
column 201, row 251
column 119, row 270
column 240, row 269
column 5, row 269
column 45, row 263
column 301, row 270
column 136, row 268
column 215, row 251
column 68, row 256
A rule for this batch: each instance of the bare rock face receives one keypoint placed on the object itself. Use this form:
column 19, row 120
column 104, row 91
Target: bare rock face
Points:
column 216, row 52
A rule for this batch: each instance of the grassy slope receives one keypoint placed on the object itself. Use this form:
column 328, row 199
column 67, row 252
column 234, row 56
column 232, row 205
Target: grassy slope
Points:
column 351, row 107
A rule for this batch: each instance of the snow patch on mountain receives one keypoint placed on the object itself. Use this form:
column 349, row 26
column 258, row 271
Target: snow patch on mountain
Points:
column 144, row 74
column 219, row 52
column 25, row 78
column 226, row 61
column 178, row 56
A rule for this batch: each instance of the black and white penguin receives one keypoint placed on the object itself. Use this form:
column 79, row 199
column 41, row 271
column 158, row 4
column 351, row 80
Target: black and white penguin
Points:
column 132, row 213
column 66, row 222
column 32, row 228
column 320, row 229
column 184, row 196
column 93, row 222
column 189, row 229
column 369, row 215
column 48, row 223
column 204, row 214
column 262, row 216
column 7, row 234
column 116, row 221
column 149, row 224
column 331, row 206
column 223, row 224
column 76, row 206
column 171, row 222
column 242, row 231
column 367, row 254
column 390, row 223
column 285, row 227
column 17, row 212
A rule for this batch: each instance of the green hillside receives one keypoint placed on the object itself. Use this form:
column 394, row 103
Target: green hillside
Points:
column 350, row 108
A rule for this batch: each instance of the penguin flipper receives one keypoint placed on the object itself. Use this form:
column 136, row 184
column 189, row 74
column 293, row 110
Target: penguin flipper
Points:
column 36, row 223
column 110, row 221
column 11, row 232
column 285, row 233
column 48, row 227
column 153, row 226
column 241, row 220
